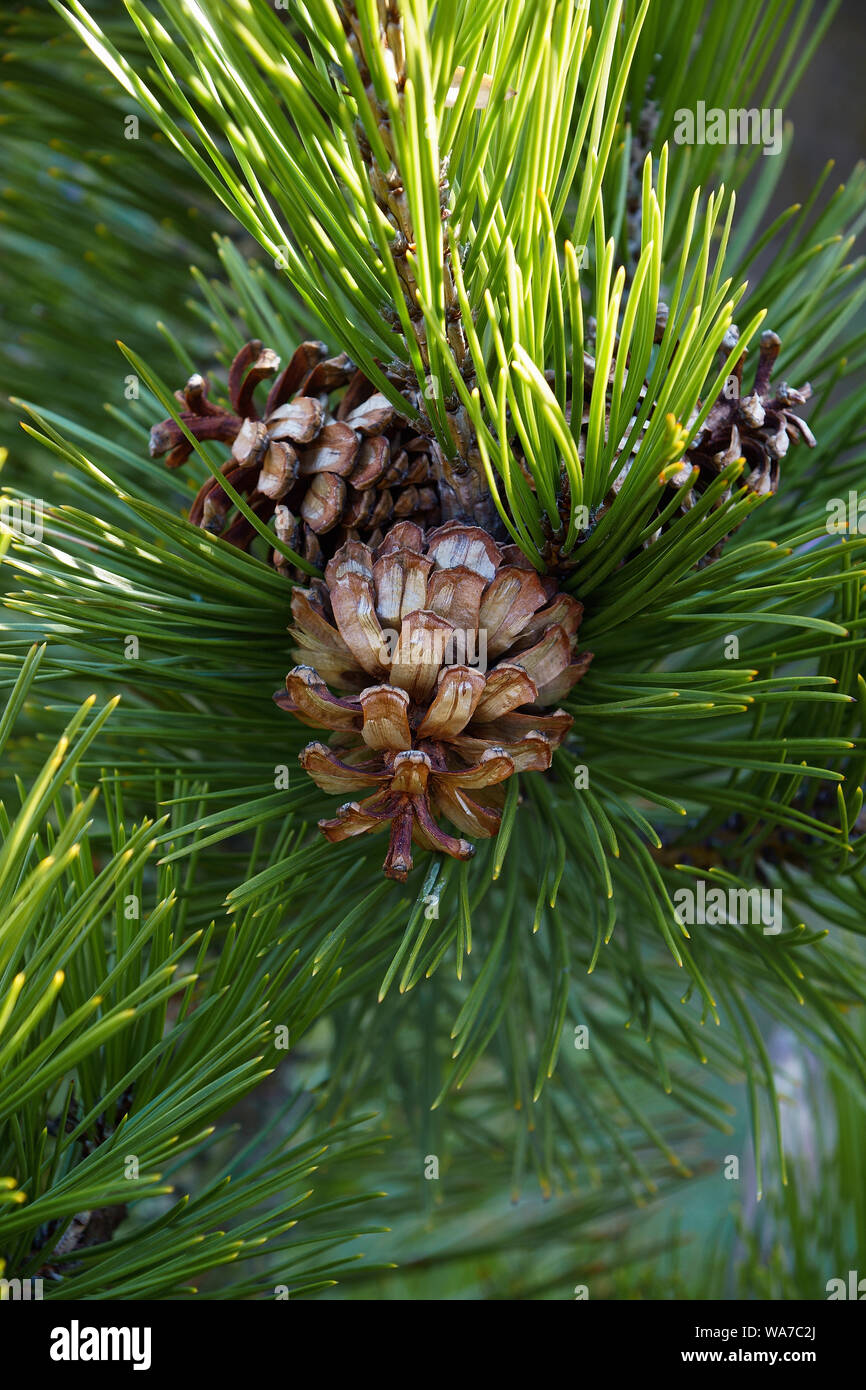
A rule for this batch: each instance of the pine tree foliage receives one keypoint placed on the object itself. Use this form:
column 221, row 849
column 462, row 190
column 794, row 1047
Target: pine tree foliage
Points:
column 107, row 1096
column 532, row 160
column 79, row 205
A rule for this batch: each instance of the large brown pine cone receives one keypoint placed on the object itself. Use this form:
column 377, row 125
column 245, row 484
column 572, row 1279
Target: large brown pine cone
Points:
column 325, row 469
column 428, row 729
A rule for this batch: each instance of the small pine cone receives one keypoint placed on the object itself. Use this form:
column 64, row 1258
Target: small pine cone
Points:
column 327, row 469
column 758, row 427
column 423, row 726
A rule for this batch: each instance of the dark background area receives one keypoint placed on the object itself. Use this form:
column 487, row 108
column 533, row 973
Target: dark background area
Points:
column 828, row 108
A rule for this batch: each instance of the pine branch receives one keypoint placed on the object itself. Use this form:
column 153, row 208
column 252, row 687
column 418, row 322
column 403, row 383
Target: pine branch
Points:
column 121, row 1044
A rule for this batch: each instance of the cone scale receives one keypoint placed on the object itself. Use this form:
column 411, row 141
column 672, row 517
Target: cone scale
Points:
column 418, row 737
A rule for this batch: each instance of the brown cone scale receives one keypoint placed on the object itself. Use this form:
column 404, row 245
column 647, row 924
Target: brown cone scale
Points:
column 436, row 661
column 323, row 455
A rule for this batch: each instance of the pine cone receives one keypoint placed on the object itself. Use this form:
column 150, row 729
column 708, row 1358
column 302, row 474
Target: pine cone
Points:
column 758, row 427
column 319, row 468
column 428, row 730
